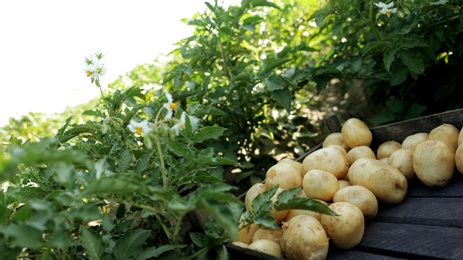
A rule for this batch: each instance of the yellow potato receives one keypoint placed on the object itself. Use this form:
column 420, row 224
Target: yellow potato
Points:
column 402, row 160
column 434, row 163
column 328, row 159
column 346, row 230
column 285, row 175
column 343, row 184
column 304, row 238
column 319, row 184
column 459, row 158
column 278, row 215
column 387, row 148
column 267, row 246
column 447, row 133
column 356, row 133
column 413, row 140
column 387, row 183
column 360, row 152
column 335, row 139
column 239, row 243
column 460, row 137
column 268, row 233
column 245, row 234
column 252, row 193
column 360, row 197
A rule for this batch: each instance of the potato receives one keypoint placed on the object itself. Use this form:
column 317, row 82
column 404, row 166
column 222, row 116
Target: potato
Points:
column 295, row 164
column 413, row 140
column 343, row 184
column 245, row 234
column 402, row 160
column 447, row 133
column 360, row 152
column 304, row 238
column 268, row 233
column 356, row 133
column 239, row 243
column 384, row 160
column 335, row 139
column 387, row 148
column 387, row 183
column 267, row 246
column 460, row 137
column 296, row 212
column 360, row 197
column 319, row 184
column 346, row 230
column 328, row 159
column 278, row 215
column 252, row 193
column 459, row 158
column 285, row 175
column 434, row 163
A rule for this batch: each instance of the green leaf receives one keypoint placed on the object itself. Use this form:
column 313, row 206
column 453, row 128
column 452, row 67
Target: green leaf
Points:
column 92, row 243
column 200, row 110
column 388, row 57
column 222, row 214
column 412, row 61
column 395, row 105
column 265, row 220
column 304, row 204
column 256, row 3
column 21, row 235
column 275, row 82
column 130, row 244
column 143, row 163
column 283, row 97
column 152, row 252
column 399, row 76
column 268, row 67
column 199, row 239
column 263, row 200
column 113, row 185
column 208, row 132
column 176, row 147
column 123, row 160
column 287, row 195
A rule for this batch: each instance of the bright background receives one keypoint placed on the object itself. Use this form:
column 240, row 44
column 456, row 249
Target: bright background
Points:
column 43, row 45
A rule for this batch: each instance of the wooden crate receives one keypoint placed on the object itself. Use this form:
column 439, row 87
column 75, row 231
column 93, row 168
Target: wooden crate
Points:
column 428, row 224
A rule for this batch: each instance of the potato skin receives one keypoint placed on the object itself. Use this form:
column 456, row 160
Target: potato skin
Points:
column 402, row 160
column 434, row 163
column 413, row 140
column 360, row 152
column 252, row 193
column 387, row 183
column 459, row 158
column 345, row 230
column 328, row 159
column 356, row 133
column 387, row 148
column 319, row 184
column 447, row 133
column 304, row 238
column 335, row 139
column 267, row 246
column 360, row 197
column 285, row 175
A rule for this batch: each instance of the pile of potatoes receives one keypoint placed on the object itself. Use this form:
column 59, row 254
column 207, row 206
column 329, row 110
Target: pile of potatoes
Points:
column 350, row 178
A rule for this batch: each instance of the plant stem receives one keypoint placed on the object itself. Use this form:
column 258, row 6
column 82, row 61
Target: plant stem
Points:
column 372, row 21
column 165, row 179
column 158, row 218
column 198, row 253
column 178, row 225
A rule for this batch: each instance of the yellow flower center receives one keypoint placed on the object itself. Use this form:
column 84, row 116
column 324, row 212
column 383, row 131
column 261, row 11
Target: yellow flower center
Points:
column 89, row 73
column 99, row 70
column 388, row 14
column 138, row 130
column 182, row 126
column 172, row 106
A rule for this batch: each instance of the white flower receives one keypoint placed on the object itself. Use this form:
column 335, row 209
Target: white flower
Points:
column 139, row 127
column 169, row 106
column 180, row 125
column 93, row 66
column 386, row 8
column 194, row 122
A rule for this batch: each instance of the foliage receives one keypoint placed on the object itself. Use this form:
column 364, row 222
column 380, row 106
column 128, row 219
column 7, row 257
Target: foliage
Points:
column 410, row 59
column 115, row 188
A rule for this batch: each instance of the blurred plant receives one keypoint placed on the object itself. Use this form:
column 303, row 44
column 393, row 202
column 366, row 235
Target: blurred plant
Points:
column 118, row 187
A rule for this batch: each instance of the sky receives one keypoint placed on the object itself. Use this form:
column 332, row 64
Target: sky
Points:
column 43, row 45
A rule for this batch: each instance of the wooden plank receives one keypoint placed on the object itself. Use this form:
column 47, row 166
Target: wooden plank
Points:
column 413, row 241
column 340, row 254
column 424, row 211
column 453, row 189
column 400, row 130
column 241, row 253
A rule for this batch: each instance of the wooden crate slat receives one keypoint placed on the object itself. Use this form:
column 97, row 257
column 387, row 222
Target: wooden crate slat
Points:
column 413, row 241
column 453, row 189
column 340, row 254
column 424, row 211
column 398, row 131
